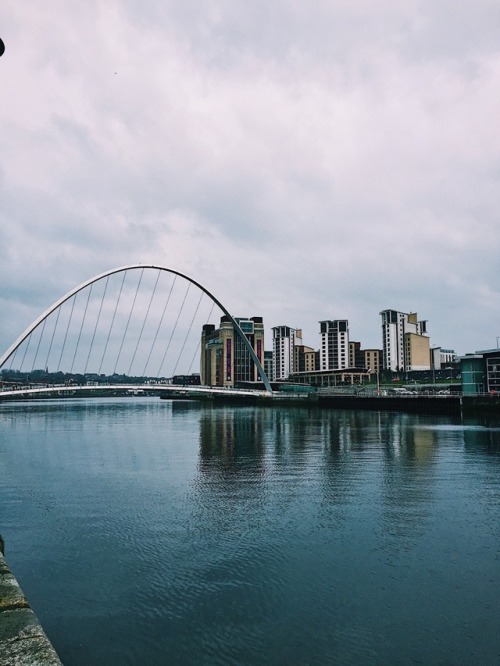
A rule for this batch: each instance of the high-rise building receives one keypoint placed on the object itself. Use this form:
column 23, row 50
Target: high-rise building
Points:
column 225, row 359
column 334, row 349
column 405, row 343
column 305, row 359
column 268, row 364
column 284, row 342
column 356, row 355
column 372, row 360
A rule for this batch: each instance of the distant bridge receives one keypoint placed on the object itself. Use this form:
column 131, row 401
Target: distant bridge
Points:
column 66, row 391
column 135, row 321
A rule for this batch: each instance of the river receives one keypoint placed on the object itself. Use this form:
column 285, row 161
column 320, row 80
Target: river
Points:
column 146, row 531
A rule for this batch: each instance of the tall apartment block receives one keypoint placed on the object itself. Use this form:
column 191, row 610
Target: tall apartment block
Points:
column 356, row 355
column 268, row 364
column 225, row 360
column 284, row 340
column 405, row 343
column 306, row 359
column 334, row 349
column 372, row 360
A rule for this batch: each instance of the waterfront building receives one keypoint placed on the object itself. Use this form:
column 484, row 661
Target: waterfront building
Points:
column 334, row 349
column 225, row 360
column 332, row 378
column 372, row 360
column 356, row 356
column 472, row 373
column 268, row 364
column 492, row 367
column 442, row 358
column 306, row 359
column 405, row 342
column 480, row 372
column 284, row 339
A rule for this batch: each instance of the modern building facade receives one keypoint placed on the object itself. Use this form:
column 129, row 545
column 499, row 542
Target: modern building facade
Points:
column 481, row 372
column 306, row 359
column 492, row 363
column 473, row 374
column 332, row 378
column 284, row 338
column 225, row 359
column 334, row 348
column 441, row 358
column 356, row 356
column 405, row 343
column 268, row 364
column 372, row 360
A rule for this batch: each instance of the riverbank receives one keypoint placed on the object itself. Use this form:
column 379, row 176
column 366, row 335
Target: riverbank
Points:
column 415, row 404
column 22, row 639
column 410, row 403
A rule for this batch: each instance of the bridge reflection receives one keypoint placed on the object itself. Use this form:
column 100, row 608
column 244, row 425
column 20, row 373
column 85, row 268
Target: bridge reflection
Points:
column 167, row 390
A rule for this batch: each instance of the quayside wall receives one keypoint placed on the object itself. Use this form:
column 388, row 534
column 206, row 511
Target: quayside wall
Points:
column 449, row 404
column 22, row 639
column 414, row 405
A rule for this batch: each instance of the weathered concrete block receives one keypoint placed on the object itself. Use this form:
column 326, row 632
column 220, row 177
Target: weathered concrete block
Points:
column 22, row 639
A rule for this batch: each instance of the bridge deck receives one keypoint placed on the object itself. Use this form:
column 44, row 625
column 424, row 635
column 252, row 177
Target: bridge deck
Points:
column 64, row 390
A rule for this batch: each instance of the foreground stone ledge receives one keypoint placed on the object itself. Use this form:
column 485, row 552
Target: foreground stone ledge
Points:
column 22, row 639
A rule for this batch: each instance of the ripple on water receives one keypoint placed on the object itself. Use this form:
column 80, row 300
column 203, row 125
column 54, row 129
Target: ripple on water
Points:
column 254, row 536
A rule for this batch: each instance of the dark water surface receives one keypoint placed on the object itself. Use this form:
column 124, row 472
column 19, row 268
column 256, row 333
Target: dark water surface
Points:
column 151, row 532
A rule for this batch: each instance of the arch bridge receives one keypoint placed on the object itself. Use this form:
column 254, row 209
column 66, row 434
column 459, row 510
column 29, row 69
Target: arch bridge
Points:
column 136, row 327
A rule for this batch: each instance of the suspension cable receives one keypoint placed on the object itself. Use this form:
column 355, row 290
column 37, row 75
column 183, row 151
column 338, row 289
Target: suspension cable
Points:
column 52, row 338
column 159, row 325
column 173, row 330
column 13, row 357
column 112, row 322
column 96, row 323
column 81, row 327
column 26, row 351
column 198, row 348
column 38, row 346
column 143, row 324
column 73, row 300
column 128, row 320
column 187, row 334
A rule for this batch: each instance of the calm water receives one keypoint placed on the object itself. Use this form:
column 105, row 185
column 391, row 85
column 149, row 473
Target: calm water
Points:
column 151, row 532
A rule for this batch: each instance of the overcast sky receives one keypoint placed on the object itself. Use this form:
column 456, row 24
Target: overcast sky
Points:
column 304, row 161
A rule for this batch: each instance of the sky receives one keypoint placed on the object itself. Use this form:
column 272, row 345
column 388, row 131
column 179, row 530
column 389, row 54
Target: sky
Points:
column 303, row 161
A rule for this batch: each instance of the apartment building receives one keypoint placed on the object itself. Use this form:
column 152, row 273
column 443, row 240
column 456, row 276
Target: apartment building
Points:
column 305, row 359
column 334, row 348
column 405, row 342
column 372, row 360
column 284, row 339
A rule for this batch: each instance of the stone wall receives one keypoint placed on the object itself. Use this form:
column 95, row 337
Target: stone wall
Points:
column 22, row 639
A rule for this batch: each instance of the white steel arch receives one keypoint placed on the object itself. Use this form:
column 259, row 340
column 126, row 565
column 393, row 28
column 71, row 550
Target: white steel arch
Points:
column 129, row 267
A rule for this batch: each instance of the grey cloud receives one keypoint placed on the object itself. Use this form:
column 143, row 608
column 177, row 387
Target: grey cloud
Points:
column 348, row 151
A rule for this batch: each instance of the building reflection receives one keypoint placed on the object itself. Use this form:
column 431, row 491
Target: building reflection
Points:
column 408, row 480
column 482, row 434
column 231, row 440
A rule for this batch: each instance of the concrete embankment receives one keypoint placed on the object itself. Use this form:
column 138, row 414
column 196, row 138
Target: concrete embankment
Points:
column 415, row 404
column 22, row 639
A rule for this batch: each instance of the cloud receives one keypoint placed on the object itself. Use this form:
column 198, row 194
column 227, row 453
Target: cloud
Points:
column 307, row 162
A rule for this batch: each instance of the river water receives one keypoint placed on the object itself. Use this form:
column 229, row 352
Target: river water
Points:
column 153, row 532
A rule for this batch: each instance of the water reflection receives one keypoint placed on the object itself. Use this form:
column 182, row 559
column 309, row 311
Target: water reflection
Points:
column 253, row 535
column 227, row 435
column 482, row 434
